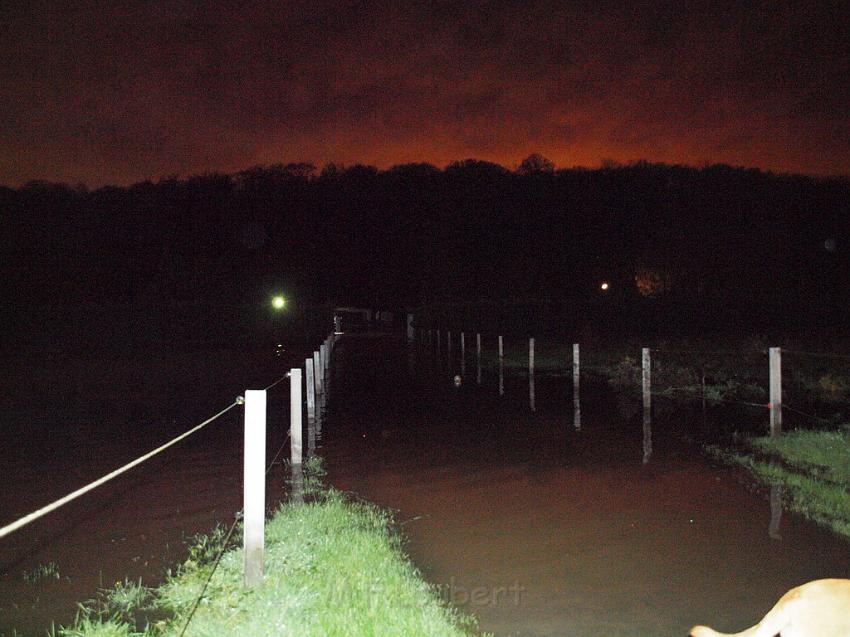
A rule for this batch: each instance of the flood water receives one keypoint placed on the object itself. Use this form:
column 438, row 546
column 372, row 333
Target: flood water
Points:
column 534, row 527
column 67, row 421
column 539, row 529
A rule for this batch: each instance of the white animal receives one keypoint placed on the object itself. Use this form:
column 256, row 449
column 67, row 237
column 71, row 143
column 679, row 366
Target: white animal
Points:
column 817, row 609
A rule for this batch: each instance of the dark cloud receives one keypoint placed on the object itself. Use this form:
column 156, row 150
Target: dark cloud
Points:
column 119, row 91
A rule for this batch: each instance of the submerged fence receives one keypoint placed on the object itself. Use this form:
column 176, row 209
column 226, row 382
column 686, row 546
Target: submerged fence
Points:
column 751, row 378
column 255, row 469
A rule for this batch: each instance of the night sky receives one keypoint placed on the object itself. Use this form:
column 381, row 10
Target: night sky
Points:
column 117, row 92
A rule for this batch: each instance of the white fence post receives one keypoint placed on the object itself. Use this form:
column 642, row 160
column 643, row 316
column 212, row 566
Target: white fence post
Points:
column 775, row 356
column 311, row 389
column 576, row 395
column 295, row 426
column 478, row 357
column 254, row 478
column 646, row 382
column 317, row 370
column 501, row 367
column 463, row 354
column 531, row 373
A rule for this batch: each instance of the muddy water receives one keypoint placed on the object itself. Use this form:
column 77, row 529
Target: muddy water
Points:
column 66, row 422
column 539, row 529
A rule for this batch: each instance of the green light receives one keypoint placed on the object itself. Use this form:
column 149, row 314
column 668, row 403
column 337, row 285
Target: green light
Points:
column 278, row 302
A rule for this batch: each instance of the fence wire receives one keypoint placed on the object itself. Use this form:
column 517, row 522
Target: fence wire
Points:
column 35, row 515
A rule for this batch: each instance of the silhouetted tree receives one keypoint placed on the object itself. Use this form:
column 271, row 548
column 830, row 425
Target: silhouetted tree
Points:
column 535, row 164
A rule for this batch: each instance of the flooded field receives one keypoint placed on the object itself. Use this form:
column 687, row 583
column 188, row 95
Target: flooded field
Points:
column 536, row 527
column 541, row 529
column 67, row 422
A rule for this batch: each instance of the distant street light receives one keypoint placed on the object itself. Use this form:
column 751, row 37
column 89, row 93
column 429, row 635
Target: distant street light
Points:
column 604, row 287
column 278, row 302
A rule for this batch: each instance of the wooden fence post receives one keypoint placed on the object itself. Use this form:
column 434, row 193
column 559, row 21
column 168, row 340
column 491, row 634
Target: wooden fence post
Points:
column 775, row 356
column 254, row 479
column 295, row 427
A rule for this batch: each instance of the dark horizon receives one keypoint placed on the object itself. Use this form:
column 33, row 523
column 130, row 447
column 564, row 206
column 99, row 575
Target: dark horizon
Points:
column 681, row 248
column 531, row 163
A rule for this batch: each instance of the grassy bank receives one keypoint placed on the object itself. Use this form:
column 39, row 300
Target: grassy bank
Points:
column 333, row 567
column 721, row 369
column 812, row 467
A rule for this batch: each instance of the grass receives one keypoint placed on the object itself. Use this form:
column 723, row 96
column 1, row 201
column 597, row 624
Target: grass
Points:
column 821, row 454
column 333, row 567
column 41, row 573
column 811, row 466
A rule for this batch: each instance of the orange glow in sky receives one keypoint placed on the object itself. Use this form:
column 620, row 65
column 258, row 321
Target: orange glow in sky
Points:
column 103, row 94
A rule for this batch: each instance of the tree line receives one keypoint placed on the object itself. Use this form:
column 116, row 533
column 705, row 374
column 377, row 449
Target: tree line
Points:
column 733, row 246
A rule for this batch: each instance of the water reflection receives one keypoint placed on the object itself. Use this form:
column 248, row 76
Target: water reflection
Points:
column 501, row 376
column 647, row 437
column 463, row 354
column 311, row 436
column 478, row 358
column 571, row 517
column 317, row 426
column 501, row 367
column 775, row 512
column 576, row 393
column 411, row 360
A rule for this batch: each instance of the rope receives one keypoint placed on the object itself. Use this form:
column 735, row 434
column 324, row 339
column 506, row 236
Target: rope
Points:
column 803, row 413
column 278, row 453
column 709, row 352
column 14, row 526
column 279, row 380
column 709, row 398
column 820, row 354
column 197, row 602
